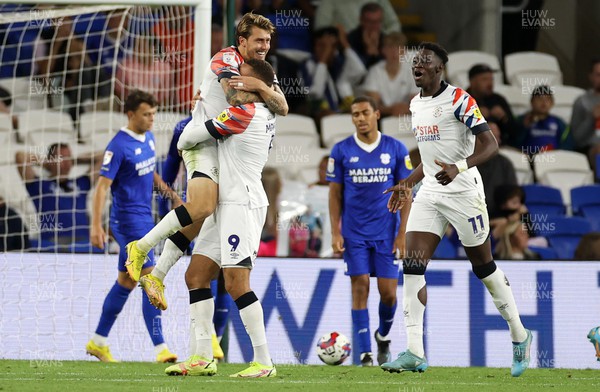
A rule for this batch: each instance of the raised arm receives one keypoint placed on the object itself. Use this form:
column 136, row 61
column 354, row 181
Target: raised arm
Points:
column 25, row 164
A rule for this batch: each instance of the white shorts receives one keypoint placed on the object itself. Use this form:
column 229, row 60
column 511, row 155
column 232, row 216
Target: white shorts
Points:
column 466, row 212
column 231, row 236
column 202, row 159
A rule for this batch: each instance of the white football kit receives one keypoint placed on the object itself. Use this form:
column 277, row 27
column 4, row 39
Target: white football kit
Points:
column 445, row 126
column 231, row 236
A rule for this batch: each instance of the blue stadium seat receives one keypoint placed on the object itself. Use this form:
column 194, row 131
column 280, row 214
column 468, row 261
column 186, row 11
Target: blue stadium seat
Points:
column 445, row 249
column 585, row 201
column 564, row 234
column 543, row 200
column 545, row 253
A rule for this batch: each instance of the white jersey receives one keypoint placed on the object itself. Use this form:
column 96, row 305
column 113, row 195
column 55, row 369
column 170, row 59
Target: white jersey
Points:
column 445, row 126
column 244, row 135
column 224, row 64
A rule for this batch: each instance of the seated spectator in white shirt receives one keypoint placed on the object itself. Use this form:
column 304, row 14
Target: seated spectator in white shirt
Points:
column 390, row 81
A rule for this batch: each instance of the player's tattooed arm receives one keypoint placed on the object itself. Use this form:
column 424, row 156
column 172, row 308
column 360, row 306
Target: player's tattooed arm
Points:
column 276, row 102
column 272, row 96
column 237, row 97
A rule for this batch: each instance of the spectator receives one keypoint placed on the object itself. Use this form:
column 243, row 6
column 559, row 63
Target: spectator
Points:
column 513, row 245
column 367, row 38
column 60, row 201
column 143, row 69
column 509, row 208
column 541, row 130
column 496, row 172
column 390, row 82
column 585, row 119
column 492, row 105
column 346, row 12
column 13, row 233
column 331, row 73
column 5, row 103
column 317, row 200
column 112, row 42
column 589, row 247
column 82, row 85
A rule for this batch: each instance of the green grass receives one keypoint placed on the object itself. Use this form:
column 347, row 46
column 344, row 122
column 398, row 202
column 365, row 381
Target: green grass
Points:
column 67, row 376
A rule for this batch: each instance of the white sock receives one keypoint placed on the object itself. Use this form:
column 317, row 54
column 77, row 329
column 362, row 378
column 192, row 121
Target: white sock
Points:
column 413, row 313
column 99, row 340
column 192, row 336
column 168, row 258
column 159, row 347
column 499, row 288
column 253, row 319
column 202, row 313
column 167, row 226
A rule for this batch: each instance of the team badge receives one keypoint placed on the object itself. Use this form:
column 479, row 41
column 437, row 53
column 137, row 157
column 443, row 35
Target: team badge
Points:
column 152, row 146
column 229, row 58
column 437, row 111
column 138, row 151
column 107, row 157
column 385, row 158
column 407, row 162
column 330, row 165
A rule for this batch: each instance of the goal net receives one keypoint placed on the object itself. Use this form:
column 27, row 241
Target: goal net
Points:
column 64, row 76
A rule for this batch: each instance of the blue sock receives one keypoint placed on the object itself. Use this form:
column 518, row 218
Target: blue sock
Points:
column 222, row 305
column 113, row 304
column 152, row 319
column 360, row 321
column 386, row 317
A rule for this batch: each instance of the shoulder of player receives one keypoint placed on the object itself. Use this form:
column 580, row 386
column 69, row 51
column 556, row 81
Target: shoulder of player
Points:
column 228, row 53
column 392, row 141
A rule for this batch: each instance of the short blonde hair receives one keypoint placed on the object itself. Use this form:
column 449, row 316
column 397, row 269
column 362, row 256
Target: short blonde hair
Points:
column 394, row 39
column 249, row 20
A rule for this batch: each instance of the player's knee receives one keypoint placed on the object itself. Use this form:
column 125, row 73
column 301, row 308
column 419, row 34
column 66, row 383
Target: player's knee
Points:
column 414, row 266
column 236, row 284
column 196, row 280
column 201, row 209
column 388, row 298
column 360, row 289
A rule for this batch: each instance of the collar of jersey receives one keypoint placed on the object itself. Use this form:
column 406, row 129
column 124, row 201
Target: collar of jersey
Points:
column 136, row 136
column 368, row 147
column 443, row 86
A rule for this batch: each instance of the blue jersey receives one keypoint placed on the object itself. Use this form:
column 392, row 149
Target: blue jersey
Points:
column 365, row 175
column 62, row 208
column 550, row 133
column 130, row 163
column 171, row 165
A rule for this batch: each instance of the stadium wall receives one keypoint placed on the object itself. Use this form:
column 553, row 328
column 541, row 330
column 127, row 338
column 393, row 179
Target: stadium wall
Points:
column 51, row 304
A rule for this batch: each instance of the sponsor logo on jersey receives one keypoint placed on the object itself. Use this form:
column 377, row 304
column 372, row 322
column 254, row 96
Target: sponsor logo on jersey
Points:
column 224, row 116
column 107, row 157
column 353, row 159
column 426, row 133
column 331, row 166
column 408, row 162
column 370, row 175
column 385, row 158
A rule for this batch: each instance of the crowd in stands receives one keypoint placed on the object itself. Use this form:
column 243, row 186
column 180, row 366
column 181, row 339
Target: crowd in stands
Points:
column 324, row 56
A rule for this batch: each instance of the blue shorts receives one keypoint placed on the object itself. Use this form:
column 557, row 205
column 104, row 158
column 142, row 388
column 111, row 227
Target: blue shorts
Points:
column 124, row 233
column 371, row 257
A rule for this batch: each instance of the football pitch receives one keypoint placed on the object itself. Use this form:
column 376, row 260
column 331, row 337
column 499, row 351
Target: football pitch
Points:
column 70, row 376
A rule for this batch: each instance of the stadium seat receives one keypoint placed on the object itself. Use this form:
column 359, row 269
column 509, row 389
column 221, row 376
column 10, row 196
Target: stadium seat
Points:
column 460, row 62
column 520, row 162
column 585, row 201
column 13, row 190
column 564, row 98
column 531, row 69
column 545, row 253
column 563, row 170
column 563, row 234
column 23, row 92
column 101, row 122
column 400, row 127
column 295, row 124
column 44, row 127
column 542, row 199
column 336, row 127
column 519, row 102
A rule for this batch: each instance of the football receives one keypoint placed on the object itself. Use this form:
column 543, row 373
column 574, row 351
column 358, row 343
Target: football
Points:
column 333, row 348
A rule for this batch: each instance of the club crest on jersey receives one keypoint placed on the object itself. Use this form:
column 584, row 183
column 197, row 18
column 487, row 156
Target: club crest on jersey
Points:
column 330, row 165
column 385, row 158
column 107, row 157
column 152, row 146
column 437, row 111
column 138, row 151
column 229, row 58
